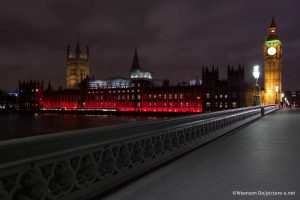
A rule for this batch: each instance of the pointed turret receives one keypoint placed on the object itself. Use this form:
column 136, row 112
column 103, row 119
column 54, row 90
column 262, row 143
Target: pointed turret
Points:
column 273, row 24
column 68, row 51
column 87, row 52
column 272, row 31
column 135, row 64
column 77, row 50
column 50, row 88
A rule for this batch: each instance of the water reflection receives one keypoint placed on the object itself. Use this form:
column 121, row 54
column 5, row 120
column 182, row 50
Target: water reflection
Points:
column 15, row 125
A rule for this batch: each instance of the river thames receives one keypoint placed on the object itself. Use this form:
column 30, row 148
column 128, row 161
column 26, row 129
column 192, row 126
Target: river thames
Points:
column 14, row 125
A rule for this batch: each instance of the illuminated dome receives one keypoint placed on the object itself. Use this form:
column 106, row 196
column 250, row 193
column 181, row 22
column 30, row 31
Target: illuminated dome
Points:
column 136, row 71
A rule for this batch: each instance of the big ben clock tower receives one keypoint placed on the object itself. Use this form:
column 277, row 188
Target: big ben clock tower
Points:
column 272, row 66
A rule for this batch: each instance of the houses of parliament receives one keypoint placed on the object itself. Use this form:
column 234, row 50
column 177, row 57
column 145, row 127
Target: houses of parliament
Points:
column 141, row 92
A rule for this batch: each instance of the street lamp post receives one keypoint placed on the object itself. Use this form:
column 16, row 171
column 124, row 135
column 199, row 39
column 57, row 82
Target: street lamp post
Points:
column 256, row 87
column 276, row 90
column 282, row 99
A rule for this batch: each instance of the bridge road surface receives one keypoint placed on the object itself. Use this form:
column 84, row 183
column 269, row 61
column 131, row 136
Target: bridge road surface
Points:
column 261, row 156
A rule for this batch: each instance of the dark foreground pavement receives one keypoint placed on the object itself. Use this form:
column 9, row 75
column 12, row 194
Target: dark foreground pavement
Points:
column 261, row 157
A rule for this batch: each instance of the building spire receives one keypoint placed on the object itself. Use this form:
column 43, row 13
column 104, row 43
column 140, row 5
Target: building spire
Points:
column 273, row 24
column 78, row 38
column 77, row 50
column 87, row 52
column 68, row 50
column 135, row 64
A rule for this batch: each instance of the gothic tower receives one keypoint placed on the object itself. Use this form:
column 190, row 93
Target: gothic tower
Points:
column 272, row 65
column 77, row 65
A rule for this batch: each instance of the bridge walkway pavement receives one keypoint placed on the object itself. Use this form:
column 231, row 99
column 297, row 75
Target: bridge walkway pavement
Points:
column 261, row 156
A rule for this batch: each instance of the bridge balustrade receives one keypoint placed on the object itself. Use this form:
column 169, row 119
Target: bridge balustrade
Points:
column 84, row 163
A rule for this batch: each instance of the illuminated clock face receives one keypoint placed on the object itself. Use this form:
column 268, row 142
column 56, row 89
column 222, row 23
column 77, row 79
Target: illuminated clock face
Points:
column 271, row 51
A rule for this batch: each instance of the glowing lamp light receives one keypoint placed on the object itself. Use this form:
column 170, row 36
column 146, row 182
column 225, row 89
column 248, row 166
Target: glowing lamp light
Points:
column 276, row 88
column 269, row 91
column 282, row 95
column 256, row 71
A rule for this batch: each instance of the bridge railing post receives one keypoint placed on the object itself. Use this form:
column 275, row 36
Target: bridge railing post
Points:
column 262, row 111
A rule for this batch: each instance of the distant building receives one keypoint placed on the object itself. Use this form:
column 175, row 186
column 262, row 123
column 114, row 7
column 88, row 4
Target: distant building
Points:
column 224, row 94
column 31, row 95
column 293, row 97
column 143, row 96
column 61, row 99
column 140, row 93
column 8, row 101
column 77, row 66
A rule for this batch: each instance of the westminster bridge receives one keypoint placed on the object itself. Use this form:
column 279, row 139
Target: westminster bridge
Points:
column 254, row 149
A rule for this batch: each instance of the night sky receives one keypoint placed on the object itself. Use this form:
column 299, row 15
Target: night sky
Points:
column 174, row 38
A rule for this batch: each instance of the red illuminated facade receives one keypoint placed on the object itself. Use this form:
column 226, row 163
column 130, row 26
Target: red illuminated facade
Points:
column 141, row 97
column 146, row 98
column 140, row 93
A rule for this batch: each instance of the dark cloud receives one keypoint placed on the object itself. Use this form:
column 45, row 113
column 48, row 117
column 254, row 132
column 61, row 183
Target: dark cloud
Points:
column 175, row 38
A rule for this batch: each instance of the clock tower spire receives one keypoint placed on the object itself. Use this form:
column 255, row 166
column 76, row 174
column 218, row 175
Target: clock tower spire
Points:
column 272, row 65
